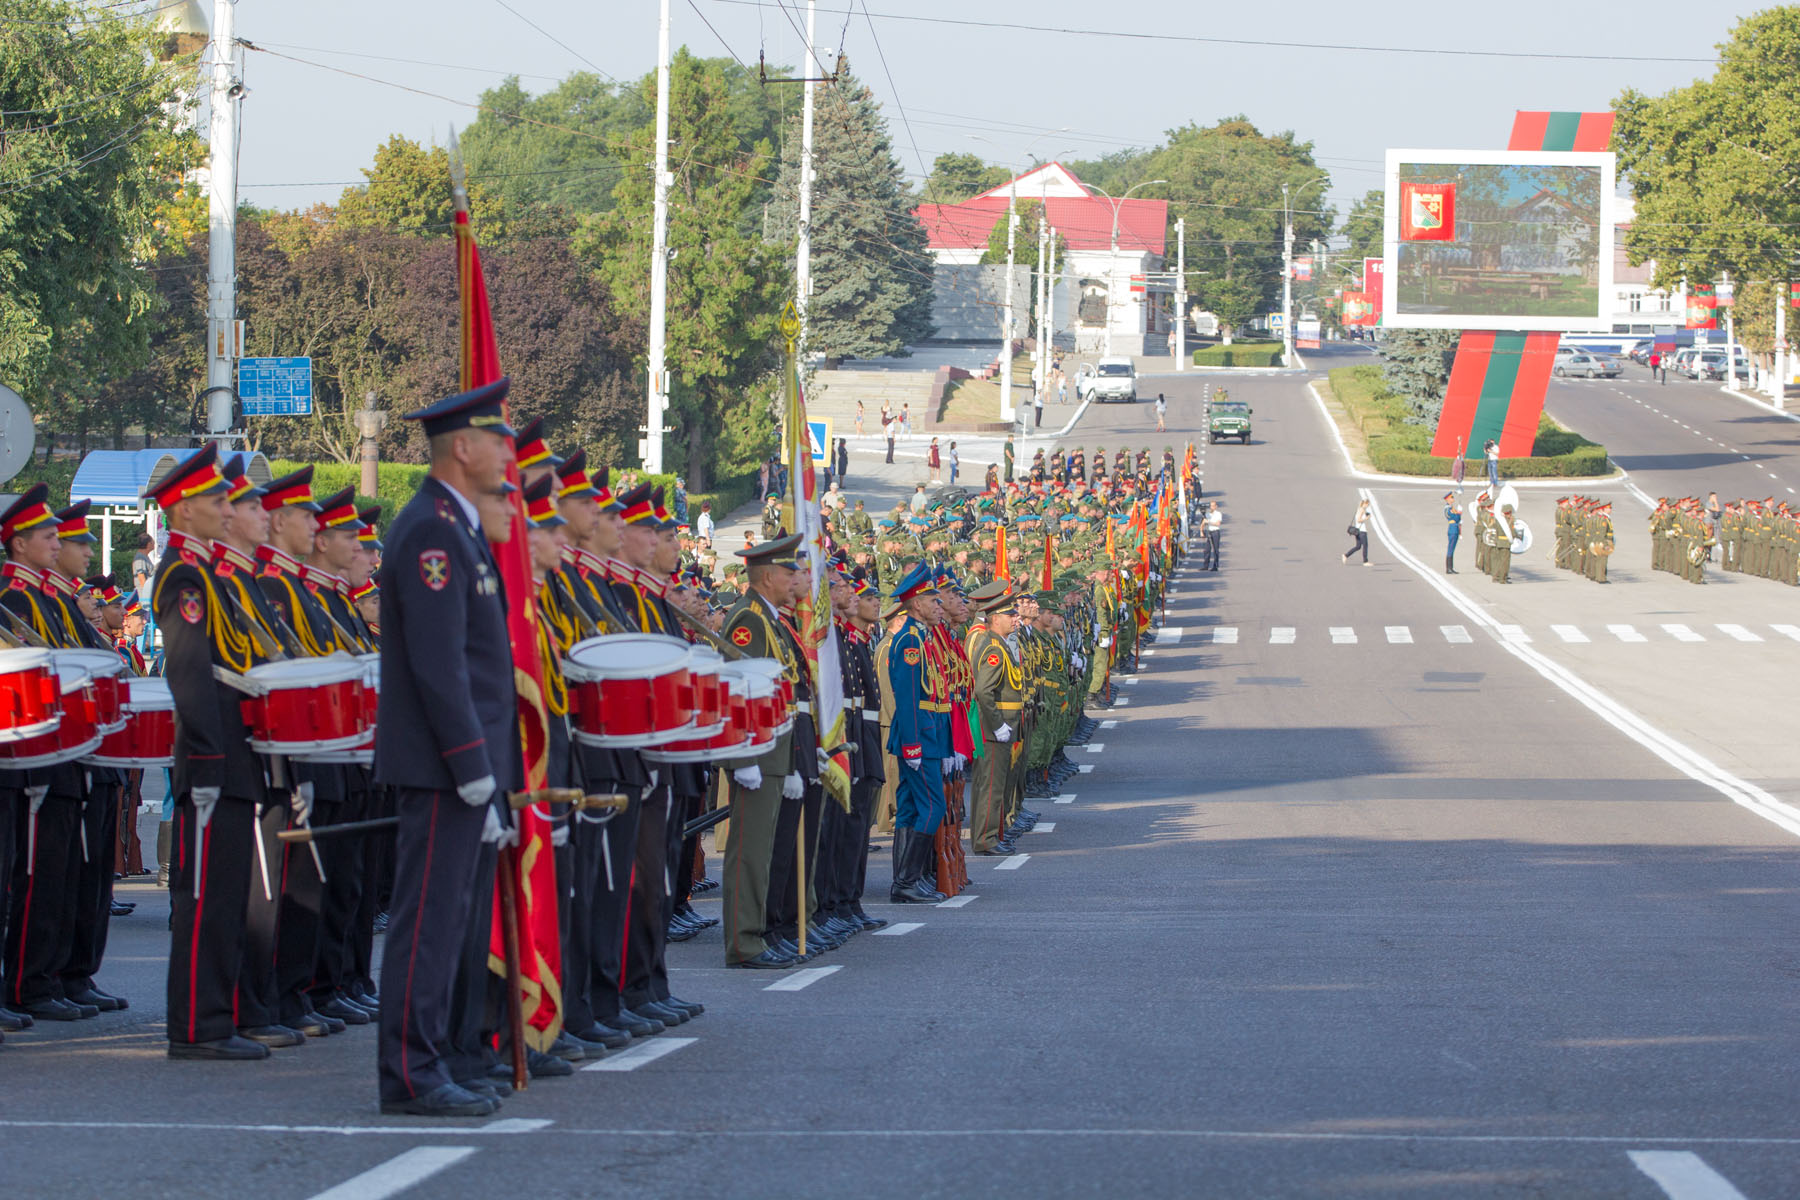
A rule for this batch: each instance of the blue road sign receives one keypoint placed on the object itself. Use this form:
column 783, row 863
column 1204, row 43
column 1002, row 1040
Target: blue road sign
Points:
column 819, row 434
column 275, row 387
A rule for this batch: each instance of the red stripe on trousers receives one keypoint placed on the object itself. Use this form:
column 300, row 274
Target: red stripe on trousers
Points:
column 199, row 916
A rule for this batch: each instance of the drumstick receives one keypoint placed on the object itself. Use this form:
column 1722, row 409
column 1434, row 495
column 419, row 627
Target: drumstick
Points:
column 24, row 632
column 705, row 821
column 308, row 833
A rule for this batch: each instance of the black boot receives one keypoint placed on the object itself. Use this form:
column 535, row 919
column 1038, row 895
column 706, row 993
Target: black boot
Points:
column 907, row 887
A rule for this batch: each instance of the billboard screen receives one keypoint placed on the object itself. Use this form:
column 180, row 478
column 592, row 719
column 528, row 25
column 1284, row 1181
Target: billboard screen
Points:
column 1483, row 239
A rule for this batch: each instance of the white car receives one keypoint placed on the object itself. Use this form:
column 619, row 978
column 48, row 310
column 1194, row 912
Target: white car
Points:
column 1108, row 379
column 1590, row 366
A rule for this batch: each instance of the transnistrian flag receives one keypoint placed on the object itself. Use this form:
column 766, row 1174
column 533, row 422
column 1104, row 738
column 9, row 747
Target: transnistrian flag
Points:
column 1002, row 568
column 534, row 876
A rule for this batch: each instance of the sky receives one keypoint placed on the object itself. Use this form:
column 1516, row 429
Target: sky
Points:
column 1057, row 90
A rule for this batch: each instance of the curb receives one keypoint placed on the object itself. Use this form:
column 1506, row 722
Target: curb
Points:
column 1747, row 398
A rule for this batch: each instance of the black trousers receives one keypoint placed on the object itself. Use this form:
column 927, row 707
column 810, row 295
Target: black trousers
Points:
column 300, row 920
column 258, row 999
column 335, row 970
column 206, row 930
column 614, row 851
column 46, row 871
column 1212, row 550
column 863, row 794
column 827, row 876
column 647, row 924
column 438, row 878
column 588, row 890
column 377, row 882
column 478, row 997
column 785, row 881
column 11, row 800
column 93, row 890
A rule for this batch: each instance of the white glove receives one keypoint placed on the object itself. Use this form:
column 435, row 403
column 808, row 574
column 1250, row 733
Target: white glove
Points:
column 948, row 765
column 913, row 762
column 301, row 801
column 477, row 792
column 559, row 834
column 496, row 832
column 205, row 800
column 824, row 761
column 749, row 778
column 36, row 795
column 793, row 787
column 962, row 760
column 654, row 779
column 1003, row 733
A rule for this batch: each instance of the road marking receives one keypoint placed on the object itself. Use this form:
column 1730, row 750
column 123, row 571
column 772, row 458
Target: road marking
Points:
column 1150, row 653
column 1097, row 747
column 1682, row 633
column 635, row 1056
column 1168, row 635
column 1399, row 635
column 1065, row 798
column 1626, row 633
column 1456, row 634
column 1771, row 474
column 1122, row 701
column 1513, row 633
column 805, row 977
column 1738, row 632
column 1012, row 862
column 1343, row 635
column 1683, row 1175
column 904, row 927
column 516, row 1125
column 1281, row 635
column 1044, row 827
column 958, row 901
column 398, row 1173
column 1569, row 633
column 1131, row 681
column 1225, row 635
column 1792, row 631
column 1109, row 724
column 1085, row 768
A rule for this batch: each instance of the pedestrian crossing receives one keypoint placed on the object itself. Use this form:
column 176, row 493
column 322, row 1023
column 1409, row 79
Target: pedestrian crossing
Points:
column 1463, row 635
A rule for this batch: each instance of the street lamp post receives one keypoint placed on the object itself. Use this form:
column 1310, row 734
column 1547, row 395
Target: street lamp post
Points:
column 1287, row 267
column 1112, row 263
column 1007, row 412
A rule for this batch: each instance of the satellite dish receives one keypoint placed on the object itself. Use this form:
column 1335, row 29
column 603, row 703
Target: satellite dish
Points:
column 17, row 436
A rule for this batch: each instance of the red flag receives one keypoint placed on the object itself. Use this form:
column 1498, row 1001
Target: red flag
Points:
column 540, row 948
column 1001, row 569
column 1049, row 559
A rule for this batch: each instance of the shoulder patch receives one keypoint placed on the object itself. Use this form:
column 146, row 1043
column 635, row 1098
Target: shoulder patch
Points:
column 993, row 658
column 189, row 557
column 189, row 604
column 434, row 568
column 741, row 635
column 912, row 655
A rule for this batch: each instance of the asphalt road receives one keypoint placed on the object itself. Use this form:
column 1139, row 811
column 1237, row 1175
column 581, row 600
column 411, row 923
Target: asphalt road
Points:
column 1328, row 917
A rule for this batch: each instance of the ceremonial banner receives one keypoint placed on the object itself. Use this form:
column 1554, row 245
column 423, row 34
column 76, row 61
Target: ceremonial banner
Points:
column 1702, row 308
column 540, row 947
column 1049, row 560
column 1358, row 309
column 1002, row 568
column 814, row 611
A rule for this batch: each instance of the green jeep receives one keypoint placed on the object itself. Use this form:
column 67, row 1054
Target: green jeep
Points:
column 1230, row 419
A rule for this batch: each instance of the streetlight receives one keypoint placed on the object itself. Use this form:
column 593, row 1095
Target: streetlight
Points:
column 1007, row 412
column 1287, row 266
column 1113, row 262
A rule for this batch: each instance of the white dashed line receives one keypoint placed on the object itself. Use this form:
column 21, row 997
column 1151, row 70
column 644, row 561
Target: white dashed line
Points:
column 1085, row 769
column 1343, row 635
column 1095, row 747
column 1683, row 1175
column 1225, row 635
column 1282, row 635
column 1737, row 633
column 1513, row 633
column 1790, row 631
column 1168, row 635
column 1455, row 634
column 805, row 977
column 900, row 930
column 1044, row 827
column 397, row 1174
column 1569, row 633
column 1399, row 635
column 1109, row 724
column 1122, row 702
column 635, row 1056
column 1065, row 798
column 1012, row 862
column 1131, row 681
column 958, row 901
column 1626, row 633
column 1682, row 633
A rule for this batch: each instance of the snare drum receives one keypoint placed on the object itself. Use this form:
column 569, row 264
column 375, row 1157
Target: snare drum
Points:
column 75, row 735
column 30, row 700
column 629, row 690
column 764, row 717
column 713, row 680
column 148, row 739
column 306, row 705
column 363, row 753
column 106, row 671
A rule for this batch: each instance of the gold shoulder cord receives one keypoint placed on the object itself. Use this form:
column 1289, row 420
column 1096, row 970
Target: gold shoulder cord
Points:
column 233, row 647
column 556, row 690
column 550, row 608
column 303, row 627
column 247, row 604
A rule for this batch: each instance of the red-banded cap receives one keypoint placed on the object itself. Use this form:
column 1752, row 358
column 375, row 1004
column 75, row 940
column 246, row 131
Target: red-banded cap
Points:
column 71, row 523
column 293, row 490
column 338, row 511
column 196, row 475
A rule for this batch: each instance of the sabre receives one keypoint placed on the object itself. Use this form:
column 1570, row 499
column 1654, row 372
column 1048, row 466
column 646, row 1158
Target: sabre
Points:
column 705, row 821
column 262, row 855
column 309, row 833
column 24, row 632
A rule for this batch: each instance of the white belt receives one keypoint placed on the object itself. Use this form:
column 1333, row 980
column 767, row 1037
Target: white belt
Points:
column 871, row 714
column 805, row 707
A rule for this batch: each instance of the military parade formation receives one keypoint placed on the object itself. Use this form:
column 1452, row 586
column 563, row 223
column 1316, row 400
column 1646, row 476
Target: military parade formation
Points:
column 1584, row 536
column 353, row 745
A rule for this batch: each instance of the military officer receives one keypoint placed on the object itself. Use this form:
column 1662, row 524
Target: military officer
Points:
column 919, row 738
column 999, row 697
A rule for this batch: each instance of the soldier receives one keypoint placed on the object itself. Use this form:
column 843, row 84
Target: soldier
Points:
column 919, row 738
column 446, row 740
column 999, row 698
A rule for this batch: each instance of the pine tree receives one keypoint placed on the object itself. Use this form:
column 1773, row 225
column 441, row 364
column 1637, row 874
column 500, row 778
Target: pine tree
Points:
column 870, row 267
column 1418, row 369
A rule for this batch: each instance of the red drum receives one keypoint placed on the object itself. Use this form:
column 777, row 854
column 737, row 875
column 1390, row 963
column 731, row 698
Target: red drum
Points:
column 106, row 671
column 629, row 689
column 716, row 730
column 306, row 705
column 148, row 739
column 765, row 718
column 75, row 736
column 703, row 668
column 363, row 753
column 30, row 700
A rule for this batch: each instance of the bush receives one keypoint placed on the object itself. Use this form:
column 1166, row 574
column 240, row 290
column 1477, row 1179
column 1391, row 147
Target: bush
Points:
column 1240, row 354
column 1402, row 449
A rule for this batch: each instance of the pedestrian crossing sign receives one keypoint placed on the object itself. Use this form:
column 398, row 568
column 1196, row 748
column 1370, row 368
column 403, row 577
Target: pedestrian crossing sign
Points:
column 818, row 437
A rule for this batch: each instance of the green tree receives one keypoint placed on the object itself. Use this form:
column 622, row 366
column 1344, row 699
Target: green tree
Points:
column 1711, row 165
column 726, row 286
column 1417, row 369
column 958, row 177
column 92, row 153
column 1031, row 215
column 1363, row 226
column 871, row 269
column 408, row 191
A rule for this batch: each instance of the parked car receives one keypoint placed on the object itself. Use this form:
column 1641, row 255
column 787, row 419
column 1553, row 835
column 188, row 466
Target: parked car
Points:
column 1587, row 366
column 1640, row 353
column 1110, row 379
column 1230, row 418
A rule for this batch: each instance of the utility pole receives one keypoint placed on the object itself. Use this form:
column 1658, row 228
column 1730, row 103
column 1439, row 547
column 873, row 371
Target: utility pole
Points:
column 1006, row 315
column 658, row 398
column 803, row 252
column 1181, row 293
column 1050, row 300
column 1041, row 358
column 221, row 205
column 1287, row 279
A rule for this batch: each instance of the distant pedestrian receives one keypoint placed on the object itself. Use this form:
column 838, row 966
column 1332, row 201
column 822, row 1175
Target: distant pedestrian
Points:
column 888, row 425
column 1037, row 407
column 954, row 463
column 681, row 501
column 887, row 414
column 704, row 526
column 1359, row 529
column 859, row 418
column 843, row 455
column 1162, row 412
column 917, row 503
column 1452, row 531
column 1062, row 388
column 1456, row 467
column 762, row 481
column 905, row 418
column 935, row 463
column 1491, row 452
column 1214, row 528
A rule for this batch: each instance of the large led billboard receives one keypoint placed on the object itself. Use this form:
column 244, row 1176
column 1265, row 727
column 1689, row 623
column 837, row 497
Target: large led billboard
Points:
column 1498, row 239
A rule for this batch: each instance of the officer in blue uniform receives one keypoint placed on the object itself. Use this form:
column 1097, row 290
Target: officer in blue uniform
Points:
column 1452, row 531
column 446, row 741
column 919, row 739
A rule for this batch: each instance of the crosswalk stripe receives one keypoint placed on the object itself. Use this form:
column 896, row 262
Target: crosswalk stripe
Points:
column 1343, row 635
column 1682, row 633
column 1168, row 635
column 1738, row 632
column 1792, row 631
column 1513, row 633
column 1225, row 634
column 1282, row 635
column 1683, row 1175
column 1399, row 635
column 1569, row 633
column 1626, row 633
column 1455, row 634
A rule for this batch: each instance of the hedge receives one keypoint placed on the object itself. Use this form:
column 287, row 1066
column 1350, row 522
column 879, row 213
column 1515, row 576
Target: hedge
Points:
column 1402, row 449
column 1240, row 354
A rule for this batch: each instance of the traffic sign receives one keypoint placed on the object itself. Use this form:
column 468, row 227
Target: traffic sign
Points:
column 818, row 435
column 276, row 387
column 1276, row 321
